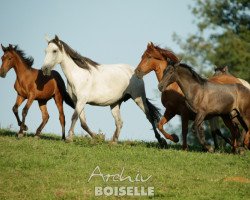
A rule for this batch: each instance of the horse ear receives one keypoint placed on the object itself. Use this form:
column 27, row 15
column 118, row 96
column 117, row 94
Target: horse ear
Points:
column 225, row 69
column 56, row 38
column 150, row 44
column 10, row 46
column 3, row 48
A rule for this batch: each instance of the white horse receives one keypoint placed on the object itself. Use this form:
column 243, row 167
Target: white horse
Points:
column 97, row 84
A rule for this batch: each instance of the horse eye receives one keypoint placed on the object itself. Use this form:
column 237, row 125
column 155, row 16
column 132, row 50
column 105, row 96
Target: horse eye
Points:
column 54, row 51
column 9, row 58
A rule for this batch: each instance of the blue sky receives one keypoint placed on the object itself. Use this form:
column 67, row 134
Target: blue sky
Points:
column 108, row 31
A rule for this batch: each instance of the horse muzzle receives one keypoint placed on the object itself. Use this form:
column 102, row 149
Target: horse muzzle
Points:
column 2, row 74
column 160, row 87
column 139, row 74
column 46, row 71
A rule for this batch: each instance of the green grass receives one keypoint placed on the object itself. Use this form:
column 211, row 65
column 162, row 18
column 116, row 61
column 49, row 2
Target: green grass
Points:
column 51, row 169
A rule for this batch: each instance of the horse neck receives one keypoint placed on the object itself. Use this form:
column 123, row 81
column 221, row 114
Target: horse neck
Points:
column 159, row 72
column 69, row 68
column 20, row 68
column 188, row 84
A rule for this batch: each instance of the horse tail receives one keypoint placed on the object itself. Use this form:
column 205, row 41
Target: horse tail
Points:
column 154, row 112
column 62, row 88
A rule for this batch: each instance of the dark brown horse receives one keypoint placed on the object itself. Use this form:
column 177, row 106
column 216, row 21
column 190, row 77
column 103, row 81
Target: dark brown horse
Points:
column 31, row 84
column 157, row 59
column 208, row 99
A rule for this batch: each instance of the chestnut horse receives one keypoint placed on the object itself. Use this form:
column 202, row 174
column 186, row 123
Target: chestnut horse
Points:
column 157, row 59
column 208, row 99
column 31, row 84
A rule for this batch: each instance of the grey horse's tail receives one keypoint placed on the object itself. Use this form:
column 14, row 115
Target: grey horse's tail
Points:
column 154, row 112
column 63, row 91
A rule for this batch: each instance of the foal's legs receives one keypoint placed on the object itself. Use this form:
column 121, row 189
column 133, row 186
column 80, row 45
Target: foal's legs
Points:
column 115, row 109
column 59, row 103
column 25, row 112
column 45, row 116
column 19, row 101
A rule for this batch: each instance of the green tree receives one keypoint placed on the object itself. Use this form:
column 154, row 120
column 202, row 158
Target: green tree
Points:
column 223, row 36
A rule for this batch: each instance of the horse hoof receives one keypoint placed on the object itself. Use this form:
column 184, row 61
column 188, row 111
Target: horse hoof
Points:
column 114, row 143
column 20, row 135
column 175, row 137
column 210, row 149
column 37, row 137
column 240, row 151
column 69, row 140
column 163, row 144
column 185, row 148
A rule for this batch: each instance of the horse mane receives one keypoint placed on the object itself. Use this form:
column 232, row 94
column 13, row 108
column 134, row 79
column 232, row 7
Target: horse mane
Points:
column 80, row 60
column 27, row 60
column 200, row 79
column 168, row 54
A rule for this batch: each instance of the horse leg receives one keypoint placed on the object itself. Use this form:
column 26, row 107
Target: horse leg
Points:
column 184, row 120
column 24, row 114
column 214, row 128
column 233, row 129
column 84, row 124
column 19, row 101
column 200, row 132
column 72, row 126
column 115, row 109
column 167, row 117
column 247, row 135
column 45, row 117
column 59, row 103
column 144, row 107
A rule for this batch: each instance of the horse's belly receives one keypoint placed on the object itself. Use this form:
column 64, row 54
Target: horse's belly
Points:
column 106, row 100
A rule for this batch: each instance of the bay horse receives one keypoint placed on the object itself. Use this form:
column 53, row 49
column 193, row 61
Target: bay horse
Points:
column 32, row 85
column 157, row 59
column 100, row 85
column 208, row 99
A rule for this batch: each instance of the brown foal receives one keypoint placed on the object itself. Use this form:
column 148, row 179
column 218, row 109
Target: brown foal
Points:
column 32, row 85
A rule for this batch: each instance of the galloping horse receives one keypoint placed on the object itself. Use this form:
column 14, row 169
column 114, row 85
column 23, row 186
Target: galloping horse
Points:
column 31, row 84
column 224, row 72
column 157, row 59
column 208, row 99
column 96, row 84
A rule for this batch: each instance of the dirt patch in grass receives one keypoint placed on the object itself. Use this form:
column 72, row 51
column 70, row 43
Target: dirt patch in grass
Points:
column 237, row 179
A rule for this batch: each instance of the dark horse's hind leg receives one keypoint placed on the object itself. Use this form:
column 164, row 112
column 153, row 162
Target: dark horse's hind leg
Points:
column 19, row 101
column 45, row 116
column 233, row 129
column 59, row 103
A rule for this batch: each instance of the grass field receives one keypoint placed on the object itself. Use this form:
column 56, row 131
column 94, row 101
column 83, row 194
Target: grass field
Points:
column 51, row 169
